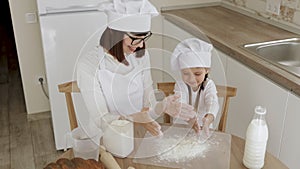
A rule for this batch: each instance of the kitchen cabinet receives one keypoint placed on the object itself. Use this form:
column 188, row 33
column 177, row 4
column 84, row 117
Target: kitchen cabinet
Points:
column 290, row 144
column 282, row 110
column 254, row 89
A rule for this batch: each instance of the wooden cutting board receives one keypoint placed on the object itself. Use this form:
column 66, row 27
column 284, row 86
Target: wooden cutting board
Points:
column 178, row 148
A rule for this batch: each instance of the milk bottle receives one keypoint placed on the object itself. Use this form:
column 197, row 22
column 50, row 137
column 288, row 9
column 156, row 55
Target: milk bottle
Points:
column 256, row 140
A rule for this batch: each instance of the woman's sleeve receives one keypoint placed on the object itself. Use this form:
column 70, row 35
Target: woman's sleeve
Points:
column 211, row 99
column 90, row 89
column 149, row 95
column 149, row 99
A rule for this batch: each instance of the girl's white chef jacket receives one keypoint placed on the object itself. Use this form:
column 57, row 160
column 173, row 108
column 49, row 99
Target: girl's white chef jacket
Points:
column 208, row 101
column 108, row 86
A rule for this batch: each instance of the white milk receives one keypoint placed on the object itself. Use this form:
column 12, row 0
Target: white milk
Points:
column 256, row 142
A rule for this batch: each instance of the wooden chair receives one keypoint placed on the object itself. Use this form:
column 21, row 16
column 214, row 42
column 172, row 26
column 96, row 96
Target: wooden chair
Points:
column 69, row 88
column 224, row 92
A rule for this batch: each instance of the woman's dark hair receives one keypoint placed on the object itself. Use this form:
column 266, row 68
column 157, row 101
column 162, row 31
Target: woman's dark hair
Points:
column 112, row 40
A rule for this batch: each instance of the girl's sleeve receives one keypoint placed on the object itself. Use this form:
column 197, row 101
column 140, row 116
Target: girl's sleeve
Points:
column 90, row 88
column 211, row 99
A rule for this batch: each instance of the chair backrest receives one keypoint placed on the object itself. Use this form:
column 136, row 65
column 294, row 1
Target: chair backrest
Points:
column 224, row 92
column 69, row 88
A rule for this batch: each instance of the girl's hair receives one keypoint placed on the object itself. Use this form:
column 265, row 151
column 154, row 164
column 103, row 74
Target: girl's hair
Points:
column 202, row 84
column 112, row 40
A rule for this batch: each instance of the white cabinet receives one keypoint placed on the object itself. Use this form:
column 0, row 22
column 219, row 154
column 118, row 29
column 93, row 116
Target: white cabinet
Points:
column 290, row 145
column 218, row 67
column 254, row 89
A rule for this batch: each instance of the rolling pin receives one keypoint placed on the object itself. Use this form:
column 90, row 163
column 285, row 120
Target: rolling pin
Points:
column 107, row 159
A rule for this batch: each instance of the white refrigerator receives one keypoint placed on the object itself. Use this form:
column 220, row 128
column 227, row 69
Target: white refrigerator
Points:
column 69, row 28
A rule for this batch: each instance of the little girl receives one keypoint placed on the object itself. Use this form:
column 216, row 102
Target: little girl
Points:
column 192, row 57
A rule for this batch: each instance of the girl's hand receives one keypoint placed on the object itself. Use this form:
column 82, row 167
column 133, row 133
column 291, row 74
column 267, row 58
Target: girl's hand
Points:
column 206, row 121
column 195, row 125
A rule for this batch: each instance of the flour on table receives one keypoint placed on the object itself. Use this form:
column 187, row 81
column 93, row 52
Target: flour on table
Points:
column 187, row 149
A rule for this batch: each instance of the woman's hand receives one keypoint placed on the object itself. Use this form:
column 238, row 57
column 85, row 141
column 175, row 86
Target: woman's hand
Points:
column 144, row 119
column 153, row 127
column 177, row 109
column 141, row 117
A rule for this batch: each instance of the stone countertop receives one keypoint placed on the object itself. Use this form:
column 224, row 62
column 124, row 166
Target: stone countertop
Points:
column 229, row 30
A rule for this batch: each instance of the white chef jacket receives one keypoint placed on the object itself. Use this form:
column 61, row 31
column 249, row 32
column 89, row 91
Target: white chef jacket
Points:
column 89, row 84
column 208, row 101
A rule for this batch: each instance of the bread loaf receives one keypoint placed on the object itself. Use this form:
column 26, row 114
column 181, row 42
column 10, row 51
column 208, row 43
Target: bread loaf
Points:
column 65, row 163
column 95, row 164
column 52, row 166
column 81, row 163
column 75, row 163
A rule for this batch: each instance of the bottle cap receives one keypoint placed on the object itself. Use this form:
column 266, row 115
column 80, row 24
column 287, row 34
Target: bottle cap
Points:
column 260, row 110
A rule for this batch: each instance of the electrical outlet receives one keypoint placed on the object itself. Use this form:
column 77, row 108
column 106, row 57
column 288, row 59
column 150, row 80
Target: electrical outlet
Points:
column 37, row 79
column 273, row 6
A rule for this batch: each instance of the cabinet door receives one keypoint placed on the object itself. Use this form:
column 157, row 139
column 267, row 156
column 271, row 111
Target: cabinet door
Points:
column 253, row 89
column 290, row 145
column 218, row 67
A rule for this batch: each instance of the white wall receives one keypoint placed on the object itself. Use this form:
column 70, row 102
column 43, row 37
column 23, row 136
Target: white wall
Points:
column 30, row 54
column 288, row 18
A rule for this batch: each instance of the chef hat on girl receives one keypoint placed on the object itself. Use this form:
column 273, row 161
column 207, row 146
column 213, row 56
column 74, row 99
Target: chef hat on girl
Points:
column 191, row 53
column 129, row 15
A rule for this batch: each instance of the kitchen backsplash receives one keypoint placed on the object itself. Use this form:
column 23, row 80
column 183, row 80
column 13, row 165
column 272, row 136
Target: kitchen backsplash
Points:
column 289, row 10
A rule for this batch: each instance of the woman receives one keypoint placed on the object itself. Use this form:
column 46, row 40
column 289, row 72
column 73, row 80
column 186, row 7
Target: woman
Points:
column 118, row 79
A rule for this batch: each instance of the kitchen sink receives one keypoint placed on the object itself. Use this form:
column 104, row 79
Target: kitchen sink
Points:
column 283, row 53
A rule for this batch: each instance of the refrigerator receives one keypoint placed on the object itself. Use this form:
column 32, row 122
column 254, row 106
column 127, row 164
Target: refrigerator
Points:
column 69, row 28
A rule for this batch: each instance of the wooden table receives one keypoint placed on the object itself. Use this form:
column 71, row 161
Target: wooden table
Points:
column 237, row 152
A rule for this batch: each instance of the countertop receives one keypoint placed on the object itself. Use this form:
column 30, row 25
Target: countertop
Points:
column 228, row 30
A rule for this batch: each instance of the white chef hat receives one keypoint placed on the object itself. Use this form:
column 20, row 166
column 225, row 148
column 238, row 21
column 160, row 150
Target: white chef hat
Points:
column 129, row 15
column 190, row 53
